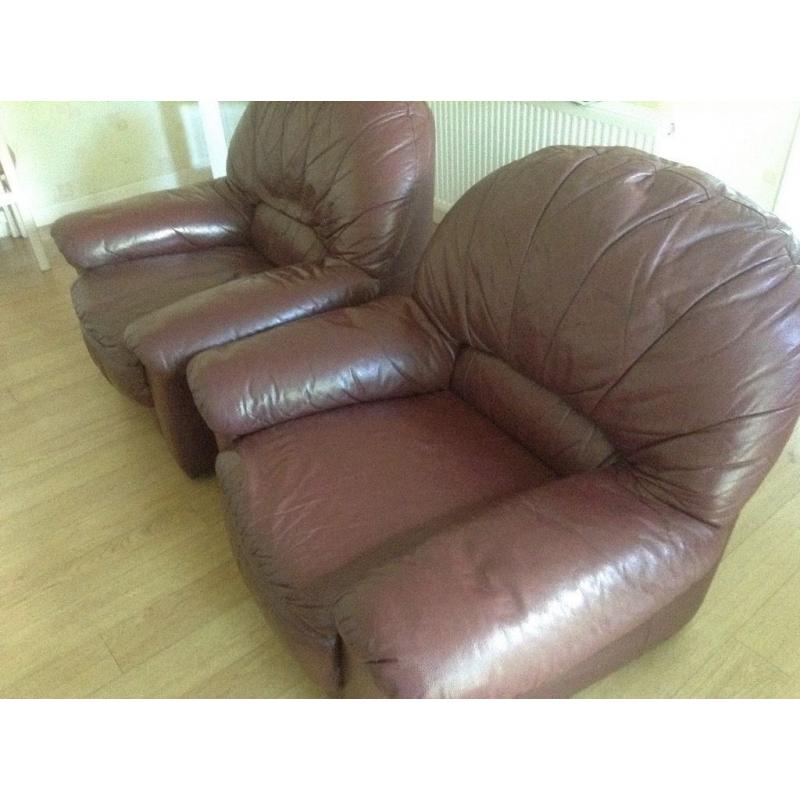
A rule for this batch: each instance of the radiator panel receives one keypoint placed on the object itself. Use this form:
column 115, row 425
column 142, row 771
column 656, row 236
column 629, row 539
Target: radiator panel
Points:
column 473, row 138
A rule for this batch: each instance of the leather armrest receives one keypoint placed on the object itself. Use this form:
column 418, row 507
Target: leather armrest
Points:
column 158, row 223
column 523, row 591
column 384, row 349
column 167, row 338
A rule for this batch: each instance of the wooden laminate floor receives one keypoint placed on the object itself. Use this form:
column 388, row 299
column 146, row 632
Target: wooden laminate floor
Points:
column 116, row 579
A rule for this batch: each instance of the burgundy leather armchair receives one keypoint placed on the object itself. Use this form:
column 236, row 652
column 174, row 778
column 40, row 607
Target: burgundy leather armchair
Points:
column 524, row 475
column 324, row 205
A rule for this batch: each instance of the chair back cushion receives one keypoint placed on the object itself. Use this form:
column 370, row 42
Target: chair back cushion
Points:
column 344, row 179
column 614, row 305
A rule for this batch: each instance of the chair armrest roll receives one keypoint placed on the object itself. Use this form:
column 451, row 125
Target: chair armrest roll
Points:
column 524, row 590
column 158, row 223
column 384, row 349
column 167, row 338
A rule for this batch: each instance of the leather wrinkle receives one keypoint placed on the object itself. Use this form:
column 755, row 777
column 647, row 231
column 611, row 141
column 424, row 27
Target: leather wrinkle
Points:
column 668, row 538
column 657, row 216
column 348, row 223
column 676, row 322
column 309, row 136
column 374, row 123
column 486, row 193
column 642, row 477
column 693, row 180
column 666, row 437
column 531, row 239
column 768, row 225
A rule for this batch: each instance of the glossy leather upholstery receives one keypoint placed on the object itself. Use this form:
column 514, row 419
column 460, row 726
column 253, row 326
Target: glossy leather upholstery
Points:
column 324, row 205
column 525, row 474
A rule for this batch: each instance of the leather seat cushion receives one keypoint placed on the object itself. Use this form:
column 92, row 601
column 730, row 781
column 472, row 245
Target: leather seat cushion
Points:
column 108, row 299
column 315, row 502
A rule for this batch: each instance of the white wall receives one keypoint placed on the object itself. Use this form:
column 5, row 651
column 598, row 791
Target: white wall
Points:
column 787, row 206
column 72, row 156
column 745, row 144
column 76, row 155
column 231, row 114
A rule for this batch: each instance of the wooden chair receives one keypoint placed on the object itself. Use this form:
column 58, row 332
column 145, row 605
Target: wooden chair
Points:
column 16, row 209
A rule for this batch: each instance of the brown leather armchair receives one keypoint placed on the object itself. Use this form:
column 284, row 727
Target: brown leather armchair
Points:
column 324, row 205
column 524, row 475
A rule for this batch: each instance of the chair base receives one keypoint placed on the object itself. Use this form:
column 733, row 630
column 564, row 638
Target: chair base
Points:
column 189, row 439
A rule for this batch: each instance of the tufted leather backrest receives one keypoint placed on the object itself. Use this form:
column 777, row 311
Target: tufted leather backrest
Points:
column 613, row 305
column 353, row 181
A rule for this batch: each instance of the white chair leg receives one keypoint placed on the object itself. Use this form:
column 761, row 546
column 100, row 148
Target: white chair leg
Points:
column 17, row 221
column 10, row 223
column 24, row 218
column 31, row 232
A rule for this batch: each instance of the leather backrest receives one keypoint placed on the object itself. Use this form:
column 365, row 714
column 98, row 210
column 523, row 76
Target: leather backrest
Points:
column 345, row 179
column 659, row 306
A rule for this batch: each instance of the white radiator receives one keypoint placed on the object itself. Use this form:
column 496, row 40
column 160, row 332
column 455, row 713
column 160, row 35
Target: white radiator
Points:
column 473, row 138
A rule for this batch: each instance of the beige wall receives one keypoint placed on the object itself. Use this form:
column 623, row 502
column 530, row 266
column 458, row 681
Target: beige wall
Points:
column 787, row 206
column 746, row 144
column 73, row 155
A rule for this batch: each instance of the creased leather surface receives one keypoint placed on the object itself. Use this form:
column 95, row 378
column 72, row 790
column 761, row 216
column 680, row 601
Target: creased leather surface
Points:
column 631, row 322
column 165, row 339
column 652, row 300
column 172, row 221
column 667, row 621
column 357, row 481
column 381, row 350
column 310, row 185
column 350, row 180
column 502, row 604
column 108, row 300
